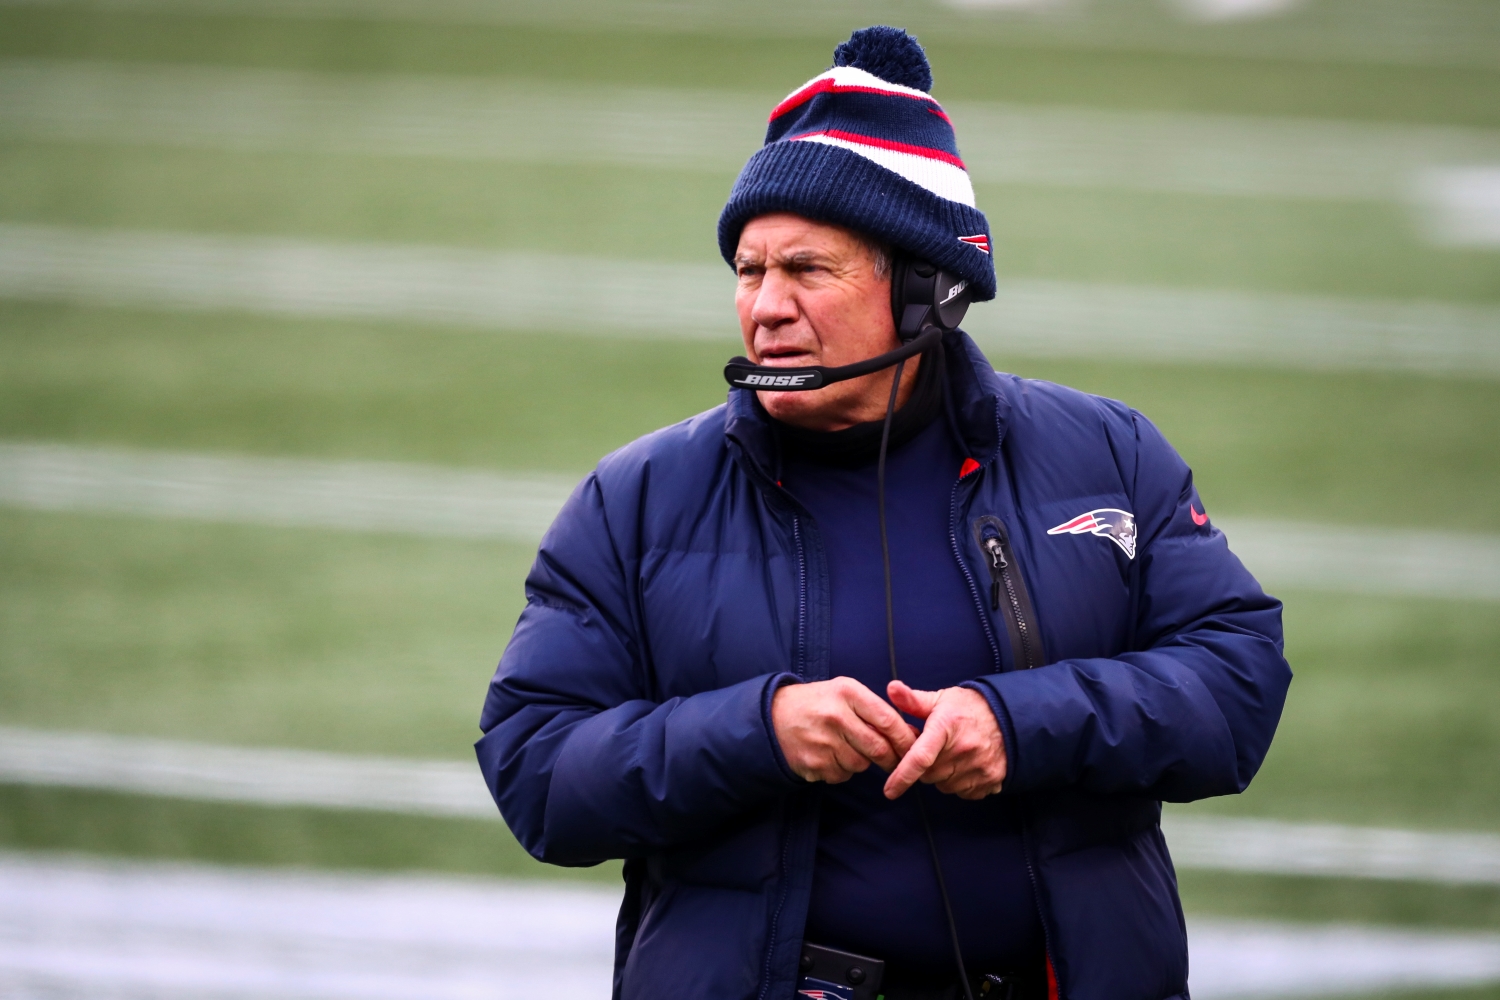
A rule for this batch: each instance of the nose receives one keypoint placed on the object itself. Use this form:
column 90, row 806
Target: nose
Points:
column 775, row 303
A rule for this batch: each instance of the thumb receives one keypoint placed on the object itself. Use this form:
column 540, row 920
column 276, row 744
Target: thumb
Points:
column 910, row 700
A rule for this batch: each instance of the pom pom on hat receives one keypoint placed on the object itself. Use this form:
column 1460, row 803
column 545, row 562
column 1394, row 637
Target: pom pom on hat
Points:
column 889, row 53
column 865, row 145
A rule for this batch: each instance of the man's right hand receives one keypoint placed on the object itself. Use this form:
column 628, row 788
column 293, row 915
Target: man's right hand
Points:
column 832, row 730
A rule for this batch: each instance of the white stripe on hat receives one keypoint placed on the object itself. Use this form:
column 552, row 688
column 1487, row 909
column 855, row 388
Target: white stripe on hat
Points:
column 854, row 77
column 943, row 179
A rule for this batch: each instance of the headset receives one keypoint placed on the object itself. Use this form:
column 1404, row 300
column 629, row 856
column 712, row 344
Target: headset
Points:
column 926, row 302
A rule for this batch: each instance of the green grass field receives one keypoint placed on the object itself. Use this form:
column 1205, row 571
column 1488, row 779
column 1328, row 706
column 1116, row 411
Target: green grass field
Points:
column 374, row 644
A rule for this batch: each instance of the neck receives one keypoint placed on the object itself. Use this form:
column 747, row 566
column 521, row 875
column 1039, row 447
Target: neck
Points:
column 853, row 444
column 847, row 409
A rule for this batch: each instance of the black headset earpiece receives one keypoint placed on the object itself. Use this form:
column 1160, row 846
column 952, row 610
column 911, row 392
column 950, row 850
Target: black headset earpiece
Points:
column 924, row 295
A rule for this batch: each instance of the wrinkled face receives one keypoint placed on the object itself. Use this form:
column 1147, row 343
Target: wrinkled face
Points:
column 809, row 294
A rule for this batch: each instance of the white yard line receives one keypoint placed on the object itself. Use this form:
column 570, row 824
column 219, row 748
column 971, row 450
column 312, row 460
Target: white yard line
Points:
column 554, row 122
column 299, row 778
column 429, row 500
column 71, row 928
column 1241, row 960
column 1236, row 10
column 87, row 928
column 1463, row 205
column 423, row 284
column 1273, row 847
column 1359, row 559
column 351, row 496
column 381, row 115
column 1174, row 325
column 259, row 776
column 444, row 286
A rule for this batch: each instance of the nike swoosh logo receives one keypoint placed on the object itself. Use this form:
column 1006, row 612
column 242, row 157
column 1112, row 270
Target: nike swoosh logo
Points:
column 1199, row 519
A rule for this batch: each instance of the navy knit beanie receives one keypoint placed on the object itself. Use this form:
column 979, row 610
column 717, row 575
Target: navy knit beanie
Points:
column 865, row 146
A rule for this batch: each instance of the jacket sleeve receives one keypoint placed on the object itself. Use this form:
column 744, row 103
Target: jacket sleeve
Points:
column 1189, row 712
column 584, row 763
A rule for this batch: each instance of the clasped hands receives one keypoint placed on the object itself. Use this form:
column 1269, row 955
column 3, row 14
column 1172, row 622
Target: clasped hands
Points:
column 832, row 730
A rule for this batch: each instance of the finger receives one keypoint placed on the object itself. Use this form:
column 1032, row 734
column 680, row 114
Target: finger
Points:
column 944, row 771
column 916, row 762
column 977, row 792
column 869, row 744
column 846, row 763
column 960, row 779
column 970, row 781
column 897, row 733
column 910, row 700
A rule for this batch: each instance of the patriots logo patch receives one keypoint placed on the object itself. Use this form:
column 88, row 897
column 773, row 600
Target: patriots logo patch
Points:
column 1106, row 522
column 830, row 991
column 980, row 242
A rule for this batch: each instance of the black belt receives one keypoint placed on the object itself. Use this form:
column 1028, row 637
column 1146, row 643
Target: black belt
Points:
column 834, row 975
column 990, row 986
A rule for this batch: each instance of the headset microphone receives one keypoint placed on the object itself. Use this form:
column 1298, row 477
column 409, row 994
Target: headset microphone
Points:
column 926, row 302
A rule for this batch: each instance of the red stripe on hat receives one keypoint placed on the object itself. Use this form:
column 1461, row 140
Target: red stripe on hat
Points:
column 826, row 85
column 896, row 147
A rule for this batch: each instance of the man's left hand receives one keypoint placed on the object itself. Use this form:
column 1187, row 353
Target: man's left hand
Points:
column 961, row 749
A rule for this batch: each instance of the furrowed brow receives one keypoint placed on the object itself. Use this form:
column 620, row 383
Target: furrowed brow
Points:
column 803, row 258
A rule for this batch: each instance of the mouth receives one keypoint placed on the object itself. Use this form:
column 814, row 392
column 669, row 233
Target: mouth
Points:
column 787, row 358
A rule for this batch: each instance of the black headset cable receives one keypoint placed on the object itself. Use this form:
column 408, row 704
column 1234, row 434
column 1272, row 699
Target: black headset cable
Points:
column 890, row 642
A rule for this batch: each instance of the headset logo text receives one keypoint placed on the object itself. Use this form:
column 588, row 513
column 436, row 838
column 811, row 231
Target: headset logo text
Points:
column 766, row 381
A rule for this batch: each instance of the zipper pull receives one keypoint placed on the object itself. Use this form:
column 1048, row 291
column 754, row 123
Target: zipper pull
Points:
column 997, row 566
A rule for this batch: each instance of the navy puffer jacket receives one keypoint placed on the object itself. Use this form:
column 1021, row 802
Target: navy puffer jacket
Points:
column 680, row 586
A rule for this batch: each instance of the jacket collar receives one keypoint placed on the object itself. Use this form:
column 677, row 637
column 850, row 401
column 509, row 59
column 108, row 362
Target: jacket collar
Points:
column 980, row 408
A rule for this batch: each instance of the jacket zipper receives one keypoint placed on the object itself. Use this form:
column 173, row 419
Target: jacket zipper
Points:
column 1006, row 582
column 1004, row 576
column 1036, row 889
column 963, row 565
column 1006, row 588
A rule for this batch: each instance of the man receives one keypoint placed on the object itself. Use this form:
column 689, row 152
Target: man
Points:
column 701, row 681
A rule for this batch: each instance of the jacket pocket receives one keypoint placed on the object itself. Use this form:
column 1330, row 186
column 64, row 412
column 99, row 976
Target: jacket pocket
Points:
column 1009, row 597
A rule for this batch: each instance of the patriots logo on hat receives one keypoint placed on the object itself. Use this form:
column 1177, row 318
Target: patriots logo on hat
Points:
column 1106, row 522
column 980, row 242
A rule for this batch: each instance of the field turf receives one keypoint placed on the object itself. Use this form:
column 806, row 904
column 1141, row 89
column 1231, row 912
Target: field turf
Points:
column 371, row 644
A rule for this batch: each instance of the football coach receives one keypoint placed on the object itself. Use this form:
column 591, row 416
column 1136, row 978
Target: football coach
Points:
column 705, row 671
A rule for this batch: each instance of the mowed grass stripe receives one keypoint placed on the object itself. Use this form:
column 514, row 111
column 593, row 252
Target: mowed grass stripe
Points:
column 513, row 290
column 525, row 121
column 284, row 777
column 1436, row 33
column 389, row 497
